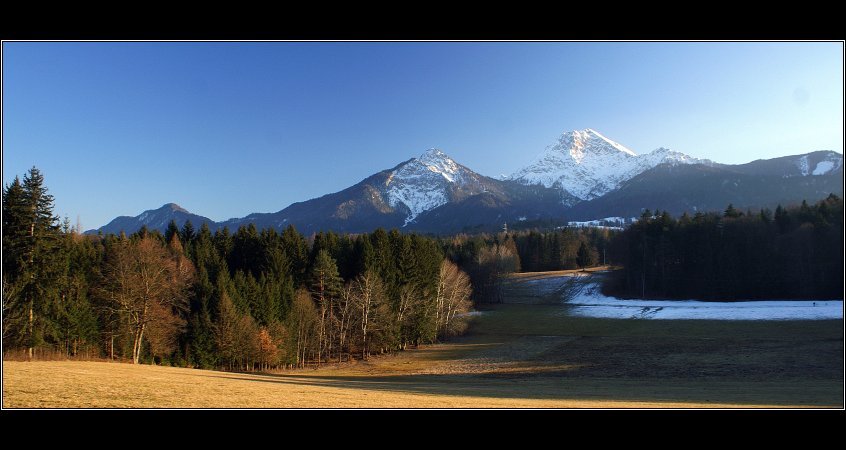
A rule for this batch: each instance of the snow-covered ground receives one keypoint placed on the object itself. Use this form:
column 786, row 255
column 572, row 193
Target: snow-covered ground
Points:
column 591, row 303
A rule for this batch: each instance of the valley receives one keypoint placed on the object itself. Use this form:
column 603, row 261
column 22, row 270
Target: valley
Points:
column 515, row 355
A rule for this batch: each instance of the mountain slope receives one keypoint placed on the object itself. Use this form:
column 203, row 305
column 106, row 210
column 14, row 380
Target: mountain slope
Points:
column 431, row 180
column 362, row 206
column 392, row 198
column 588, row 165
column 809, row 164
column 691, row 188
column 154, row 219
column 584, row 176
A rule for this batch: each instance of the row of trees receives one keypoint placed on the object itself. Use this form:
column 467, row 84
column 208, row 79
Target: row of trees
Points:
column 564, row 249
column 252, row 299
column 489, row 258
column 794, row 252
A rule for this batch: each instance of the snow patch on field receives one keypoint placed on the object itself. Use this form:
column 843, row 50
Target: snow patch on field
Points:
column 590, row 302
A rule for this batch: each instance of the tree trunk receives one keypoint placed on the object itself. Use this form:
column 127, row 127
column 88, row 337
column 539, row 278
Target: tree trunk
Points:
column 136, row 349
column 321, row 334
column 31, row 278
column 30, row 329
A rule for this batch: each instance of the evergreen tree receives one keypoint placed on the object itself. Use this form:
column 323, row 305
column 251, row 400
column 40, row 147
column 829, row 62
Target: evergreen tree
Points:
column 15, row 228
column 223, row 243
column 226, row 329
column 296, row 249
column 732, row 212
column 34, row 257
column 584, row 257
column 172, row 230
column 187, row 234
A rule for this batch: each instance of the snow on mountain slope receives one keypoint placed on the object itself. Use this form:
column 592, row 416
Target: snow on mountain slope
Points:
column 802, row 164
column 429, row 181
column 588, row 165
column 831, row 161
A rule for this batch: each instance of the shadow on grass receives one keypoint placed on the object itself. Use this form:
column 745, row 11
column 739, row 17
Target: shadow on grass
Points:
column 560, row 384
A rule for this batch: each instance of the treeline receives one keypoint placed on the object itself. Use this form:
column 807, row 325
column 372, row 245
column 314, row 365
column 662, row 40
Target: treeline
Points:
column 564, row 249
column 252, row 299
column 489, row 258
column 794, row 252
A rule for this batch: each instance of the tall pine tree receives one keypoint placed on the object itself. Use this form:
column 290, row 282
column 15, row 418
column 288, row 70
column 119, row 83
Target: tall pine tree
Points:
column 36, row 248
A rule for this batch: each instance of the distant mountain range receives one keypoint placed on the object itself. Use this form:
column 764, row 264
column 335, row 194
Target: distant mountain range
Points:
column 583, row 176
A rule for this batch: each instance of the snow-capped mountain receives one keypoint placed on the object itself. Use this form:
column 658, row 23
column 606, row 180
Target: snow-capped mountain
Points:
column 431, row 180
column 583, row 176
column 588, row 165
column 692, row 188
column 399, row 197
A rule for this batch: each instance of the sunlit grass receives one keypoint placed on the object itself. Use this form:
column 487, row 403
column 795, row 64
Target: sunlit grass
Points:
column 515, row 356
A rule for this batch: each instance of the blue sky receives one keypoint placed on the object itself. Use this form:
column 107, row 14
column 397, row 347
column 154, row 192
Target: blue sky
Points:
column 226, row 129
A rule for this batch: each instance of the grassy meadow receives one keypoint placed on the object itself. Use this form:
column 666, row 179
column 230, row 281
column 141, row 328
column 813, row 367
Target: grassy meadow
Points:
column 515, row 355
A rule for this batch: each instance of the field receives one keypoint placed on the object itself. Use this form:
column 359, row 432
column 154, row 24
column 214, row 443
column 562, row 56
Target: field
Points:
column 515, row 355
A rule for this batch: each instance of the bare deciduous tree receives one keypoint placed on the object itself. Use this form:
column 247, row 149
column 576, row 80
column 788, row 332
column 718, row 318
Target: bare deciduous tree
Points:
column 143, row 280
column 302, row 321
column 368, row 295
column 452, row 298
column 344, row 319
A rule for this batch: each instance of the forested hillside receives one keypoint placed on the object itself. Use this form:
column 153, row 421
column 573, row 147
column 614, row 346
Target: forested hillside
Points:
column 789, row 253
column 244, row 300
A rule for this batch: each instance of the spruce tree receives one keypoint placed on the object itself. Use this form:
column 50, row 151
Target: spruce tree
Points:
column 732, row 212
column 36, row 247
column 187, row 234
column 15, row 229
column 296, row 249
column 172, row 230
column 584, row 257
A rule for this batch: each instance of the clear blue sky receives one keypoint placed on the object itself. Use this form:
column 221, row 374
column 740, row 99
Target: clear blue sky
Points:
column 227, row 129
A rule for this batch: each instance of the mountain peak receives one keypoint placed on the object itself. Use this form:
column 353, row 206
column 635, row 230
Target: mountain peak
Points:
column 173, row 207
column 581, row 142
column 427, row 182
column 154, row 219
column 587, row 164
column 433, row 156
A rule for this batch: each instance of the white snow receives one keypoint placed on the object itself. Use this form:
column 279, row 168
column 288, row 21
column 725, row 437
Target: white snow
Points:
column 802, row 164
column 424, row 183
column 823, row 167
column 588, row 165
column 611, row 223
column 591, row 303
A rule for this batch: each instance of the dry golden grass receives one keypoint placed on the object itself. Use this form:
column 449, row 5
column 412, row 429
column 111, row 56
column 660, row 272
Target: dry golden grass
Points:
column 515, row 356
column 110, row 385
